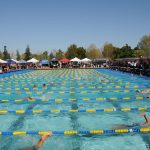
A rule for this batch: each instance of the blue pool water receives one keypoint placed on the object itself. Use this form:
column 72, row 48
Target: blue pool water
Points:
column 71, row 89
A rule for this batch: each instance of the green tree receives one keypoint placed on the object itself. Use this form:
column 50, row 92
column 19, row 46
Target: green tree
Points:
column 71, row 51
column 126, row 51
column 81, row 52
column 93, row 52
column 138, row 53
column 108, row 50
column 37, row 56
column 18, row 56
column 6, row 55
column 116, row 53
column 27, row 54
column 144, row 44
column 60, row 54
column 45, row 55
column 51, row 55
column 1, row 55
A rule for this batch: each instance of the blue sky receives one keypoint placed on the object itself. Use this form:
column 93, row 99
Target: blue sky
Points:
column 54, row 24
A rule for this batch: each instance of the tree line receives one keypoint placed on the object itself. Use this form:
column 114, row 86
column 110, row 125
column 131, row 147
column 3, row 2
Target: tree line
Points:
column 108, row 51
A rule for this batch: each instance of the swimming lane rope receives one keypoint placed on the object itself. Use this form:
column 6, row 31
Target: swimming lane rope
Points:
column 82, row 132
column 106, row 110
column 61, row 100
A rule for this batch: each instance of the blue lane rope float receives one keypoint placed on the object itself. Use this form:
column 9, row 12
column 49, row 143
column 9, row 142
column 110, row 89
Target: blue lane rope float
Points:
column 61, row 100
column 106, row 110
column 82, row 132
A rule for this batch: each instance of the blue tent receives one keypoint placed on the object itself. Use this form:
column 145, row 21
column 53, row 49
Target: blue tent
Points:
column 10, row 61
column 44, row 62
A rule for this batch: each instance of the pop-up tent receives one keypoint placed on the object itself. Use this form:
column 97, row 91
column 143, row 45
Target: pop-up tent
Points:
column 33, row 60
column 44, row 62
column 75, row 59
column 2, row 61
column 54, row 60
column 11, row 61
column 86, row 60
column 64, row 60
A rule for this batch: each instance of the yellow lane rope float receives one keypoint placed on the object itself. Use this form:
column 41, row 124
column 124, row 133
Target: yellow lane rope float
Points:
column 39, row 111
column 76, row 132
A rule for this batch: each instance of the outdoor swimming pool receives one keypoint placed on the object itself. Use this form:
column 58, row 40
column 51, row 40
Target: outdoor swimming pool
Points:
column 75, row 99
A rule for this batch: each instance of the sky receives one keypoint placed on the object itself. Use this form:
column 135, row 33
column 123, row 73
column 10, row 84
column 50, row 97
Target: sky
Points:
column 56, row 24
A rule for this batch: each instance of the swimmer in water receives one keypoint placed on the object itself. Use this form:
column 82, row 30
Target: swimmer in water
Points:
column 34, row 86
column 44, row 86
column 29, row 98
column 147, row 123
column 40, row 142
column 147, row 91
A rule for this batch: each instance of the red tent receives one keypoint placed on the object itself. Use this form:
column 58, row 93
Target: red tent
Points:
column 64, row 60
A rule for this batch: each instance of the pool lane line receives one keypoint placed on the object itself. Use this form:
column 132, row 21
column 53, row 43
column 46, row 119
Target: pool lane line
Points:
column 105, row 110
column 61, row 100
column 28, row 92
column 83, row 132
column 62, row 89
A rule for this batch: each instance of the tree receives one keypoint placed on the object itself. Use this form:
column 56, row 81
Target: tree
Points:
column 126, row 51
column 144, row 44
column 81, row 52
column 18, row 57
column 6, row 55
column 1, row 55
column 71, row 51
column 27, row 54
column 116, row 53
column 51, row 55
column 37, row 56
column 108, row 50
column 138, row 53
column 93, row 52
column 60, row 54
column 45, row 55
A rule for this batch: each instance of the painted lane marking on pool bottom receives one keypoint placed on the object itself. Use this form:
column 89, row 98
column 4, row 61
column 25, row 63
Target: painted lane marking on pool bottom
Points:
column 83, row 132
column 38, row 111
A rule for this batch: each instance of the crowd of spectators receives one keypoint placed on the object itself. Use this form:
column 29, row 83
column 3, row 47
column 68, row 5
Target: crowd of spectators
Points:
column 134, row 65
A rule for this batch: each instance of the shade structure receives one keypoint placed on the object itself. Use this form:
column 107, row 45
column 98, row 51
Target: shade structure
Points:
column 64, row 60
column 22, row 61
column 33, row 60
column 54, row 59
column 75, row 59
column 2, row 61
column 15, row 60
column 86, row 60
column 44, row 62
column 11, row 61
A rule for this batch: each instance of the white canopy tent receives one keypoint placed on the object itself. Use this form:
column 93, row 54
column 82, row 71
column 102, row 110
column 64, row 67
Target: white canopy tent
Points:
column 75, row 59
column 33, row 60
column 2, row 61
column 86, row 60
